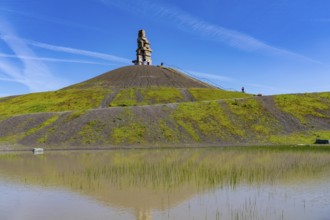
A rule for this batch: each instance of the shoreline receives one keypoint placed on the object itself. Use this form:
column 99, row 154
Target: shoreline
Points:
column 168, row 147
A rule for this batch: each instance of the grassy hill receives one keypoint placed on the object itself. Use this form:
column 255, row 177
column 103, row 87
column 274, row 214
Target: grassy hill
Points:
column 127, row 86
column 113, row 109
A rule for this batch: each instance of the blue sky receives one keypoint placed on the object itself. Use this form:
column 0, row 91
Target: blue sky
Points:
column 269, row 47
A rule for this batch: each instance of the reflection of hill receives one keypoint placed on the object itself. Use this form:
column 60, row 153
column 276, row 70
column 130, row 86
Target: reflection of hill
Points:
column 143, row 180
column 144, row 199
column 91, row 174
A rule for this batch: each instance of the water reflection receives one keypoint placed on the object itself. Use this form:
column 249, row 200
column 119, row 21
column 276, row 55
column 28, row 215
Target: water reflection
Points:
column 249, row 183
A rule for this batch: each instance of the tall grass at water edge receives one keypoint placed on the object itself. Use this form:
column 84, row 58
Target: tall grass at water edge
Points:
column 170, row 169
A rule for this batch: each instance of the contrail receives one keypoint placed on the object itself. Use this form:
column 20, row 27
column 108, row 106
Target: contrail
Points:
column 78, row 52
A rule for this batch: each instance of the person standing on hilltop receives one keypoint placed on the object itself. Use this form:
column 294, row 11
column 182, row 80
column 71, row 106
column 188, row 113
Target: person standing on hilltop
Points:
column 243, row 89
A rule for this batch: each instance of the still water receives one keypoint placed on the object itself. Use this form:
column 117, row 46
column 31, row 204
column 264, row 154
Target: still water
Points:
column 224, row 183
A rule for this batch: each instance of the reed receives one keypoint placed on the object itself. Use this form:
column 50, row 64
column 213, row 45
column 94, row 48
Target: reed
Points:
column 166, row 169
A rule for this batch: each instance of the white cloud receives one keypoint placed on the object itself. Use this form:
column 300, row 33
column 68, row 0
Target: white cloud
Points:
column 11, row 71
column 188, row 22
column 34, row 74
column 31, row 70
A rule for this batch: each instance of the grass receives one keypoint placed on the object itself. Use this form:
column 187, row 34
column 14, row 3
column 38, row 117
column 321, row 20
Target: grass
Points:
column 301, row 137
column 161, row 95
column 146, row 96
column 49, row 121
column 75, row 114
column 231, row 121
column 18, row 134
column 11, row 138
column 250, row 116
column 131, row 134
column 129, row 131
column 201, row 94
column 92, row 132
column 57, row 101
column 204, row 119
column 168, row 169
column 302, row 105
column 169, row 134
column 125, row 97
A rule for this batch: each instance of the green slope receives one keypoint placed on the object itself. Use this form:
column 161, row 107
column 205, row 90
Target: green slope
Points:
column 157, row 106
column 252, row 120
column 301, row 106
column 126, row 86
column 56, row 101
column 91, row 98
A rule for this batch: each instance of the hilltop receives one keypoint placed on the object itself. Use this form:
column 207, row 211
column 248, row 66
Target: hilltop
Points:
column 126, row 86
column 142, row 77
column 159, row 106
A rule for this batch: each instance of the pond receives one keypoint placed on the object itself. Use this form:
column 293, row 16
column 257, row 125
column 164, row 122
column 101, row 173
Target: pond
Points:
column 209, row 183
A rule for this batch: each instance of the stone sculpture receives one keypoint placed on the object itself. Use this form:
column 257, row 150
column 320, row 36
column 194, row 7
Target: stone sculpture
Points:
column 143, row 53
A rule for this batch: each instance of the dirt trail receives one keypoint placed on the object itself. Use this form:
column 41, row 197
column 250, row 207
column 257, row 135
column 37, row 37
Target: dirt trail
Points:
column 187, row 95
column 288, row 122
column 108, row 99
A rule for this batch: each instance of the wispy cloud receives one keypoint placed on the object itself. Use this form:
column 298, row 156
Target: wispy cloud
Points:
column 7, row 79
column 48, row 59
column 213, row 79
column 218, row 79
column 188, row 22
column 30, row 69
column 70, row 50
column 33, row 73
column 209, row 76
column 12, row 72
column 103, row 56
